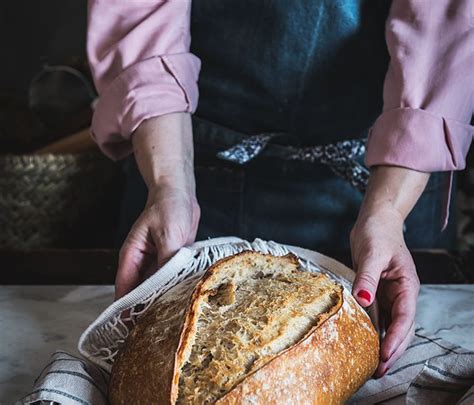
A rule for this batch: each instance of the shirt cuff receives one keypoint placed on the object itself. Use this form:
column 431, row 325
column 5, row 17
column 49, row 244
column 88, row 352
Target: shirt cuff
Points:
column 419, row 140
column 153, row 87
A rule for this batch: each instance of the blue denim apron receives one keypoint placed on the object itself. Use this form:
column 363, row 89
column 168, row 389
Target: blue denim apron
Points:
column 312, row 70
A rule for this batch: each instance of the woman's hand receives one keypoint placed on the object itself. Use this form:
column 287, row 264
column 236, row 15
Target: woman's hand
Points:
column 164, row 153
column 385, row 270
column 384, row 266
column 168, row 222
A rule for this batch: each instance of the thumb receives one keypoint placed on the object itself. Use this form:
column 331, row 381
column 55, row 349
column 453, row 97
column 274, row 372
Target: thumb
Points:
column 128, row 273
column 367, row 279
column 135, row 255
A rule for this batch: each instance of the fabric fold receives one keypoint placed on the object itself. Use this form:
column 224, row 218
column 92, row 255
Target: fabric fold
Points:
column 150, row 88
column 418, row 140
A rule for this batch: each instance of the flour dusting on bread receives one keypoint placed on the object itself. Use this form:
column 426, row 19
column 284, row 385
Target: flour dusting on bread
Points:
column 253, row 308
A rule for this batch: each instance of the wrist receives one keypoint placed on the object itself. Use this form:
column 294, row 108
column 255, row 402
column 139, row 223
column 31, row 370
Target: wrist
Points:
column 175, row 174
column 383, row 214
column 163, row 149
column 393, row 191
column 179, row 182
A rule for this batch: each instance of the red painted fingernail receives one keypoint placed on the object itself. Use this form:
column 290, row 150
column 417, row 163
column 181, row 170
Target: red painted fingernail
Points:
column 364, row 294
column 389, row 356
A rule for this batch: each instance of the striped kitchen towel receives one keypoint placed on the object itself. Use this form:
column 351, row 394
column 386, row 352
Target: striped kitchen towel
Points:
column 68, row 379
column 432, row 371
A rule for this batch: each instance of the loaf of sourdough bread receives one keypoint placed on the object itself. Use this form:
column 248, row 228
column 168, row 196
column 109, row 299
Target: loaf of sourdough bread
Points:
column 255, row 329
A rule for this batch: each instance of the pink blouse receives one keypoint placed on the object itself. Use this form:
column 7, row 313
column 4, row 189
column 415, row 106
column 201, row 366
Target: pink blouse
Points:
column 139, row 55
column 142, row 67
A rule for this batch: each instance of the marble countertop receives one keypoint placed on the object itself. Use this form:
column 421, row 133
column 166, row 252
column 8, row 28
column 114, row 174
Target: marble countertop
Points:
column 37, row 320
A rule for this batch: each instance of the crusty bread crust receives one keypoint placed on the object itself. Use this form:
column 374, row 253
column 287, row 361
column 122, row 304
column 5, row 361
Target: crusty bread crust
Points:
column 277, row 285
column 334, row 358
column 143, row 371
column 325, row 368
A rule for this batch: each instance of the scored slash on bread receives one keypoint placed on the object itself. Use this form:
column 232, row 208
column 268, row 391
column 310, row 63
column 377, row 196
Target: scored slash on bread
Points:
column 254, row 329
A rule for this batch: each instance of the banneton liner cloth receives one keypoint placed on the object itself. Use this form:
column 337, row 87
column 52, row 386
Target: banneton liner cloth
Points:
column 432, row 371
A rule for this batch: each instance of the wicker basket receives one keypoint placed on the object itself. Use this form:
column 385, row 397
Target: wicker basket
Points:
column 57, row 201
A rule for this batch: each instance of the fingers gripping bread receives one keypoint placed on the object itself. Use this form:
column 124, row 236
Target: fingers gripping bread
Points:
column 255, row 329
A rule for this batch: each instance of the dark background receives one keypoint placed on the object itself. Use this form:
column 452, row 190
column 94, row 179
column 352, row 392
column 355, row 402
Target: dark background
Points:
column 35, row 33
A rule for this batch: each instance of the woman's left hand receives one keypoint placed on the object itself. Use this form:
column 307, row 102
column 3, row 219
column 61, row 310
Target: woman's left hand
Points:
column 385, row 269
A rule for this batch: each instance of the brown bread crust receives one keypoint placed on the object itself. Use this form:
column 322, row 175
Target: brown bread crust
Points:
column 143, row 370
column 328, row 365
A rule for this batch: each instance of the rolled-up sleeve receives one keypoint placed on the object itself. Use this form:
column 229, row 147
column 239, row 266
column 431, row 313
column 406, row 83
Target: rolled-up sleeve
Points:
column 429, row 87
column 139, row 55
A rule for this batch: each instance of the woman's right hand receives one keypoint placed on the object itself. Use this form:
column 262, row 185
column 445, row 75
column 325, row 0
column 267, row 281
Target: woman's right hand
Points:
column 168, row 222
column 164, row 153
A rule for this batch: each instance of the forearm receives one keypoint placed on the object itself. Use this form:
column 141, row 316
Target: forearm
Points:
column 163, row 148
column 393, row 189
